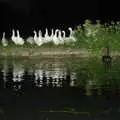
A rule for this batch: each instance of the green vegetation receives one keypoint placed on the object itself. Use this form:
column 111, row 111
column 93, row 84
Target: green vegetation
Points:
column 96, row 37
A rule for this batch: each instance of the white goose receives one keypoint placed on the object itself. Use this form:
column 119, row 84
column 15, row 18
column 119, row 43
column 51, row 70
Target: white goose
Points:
column 64, row 35
column 71, row 36
column 30, row 40
column 35, row 36
column 40, row 39
column 19, row 39
column 55, row 38
column 60, row 38
column 14, row 38
column 46, row 36
column 66, row 39
column 4, row 41
column 51, row 36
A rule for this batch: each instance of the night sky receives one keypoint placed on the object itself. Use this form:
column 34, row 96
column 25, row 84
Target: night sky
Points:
column 39, row 14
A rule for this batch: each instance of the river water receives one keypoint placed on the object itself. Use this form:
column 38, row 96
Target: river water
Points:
column 59, row 88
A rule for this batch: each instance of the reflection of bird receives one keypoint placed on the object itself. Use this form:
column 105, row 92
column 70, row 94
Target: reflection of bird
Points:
column 4, row 41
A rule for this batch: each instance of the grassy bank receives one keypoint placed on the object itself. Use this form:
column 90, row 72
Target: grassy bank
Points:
column 46, row 50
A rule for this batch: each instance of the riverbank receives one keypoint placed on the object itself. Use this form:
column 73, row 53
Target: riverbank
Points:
column 37, row 52
column 33, row 51
column 17, row 51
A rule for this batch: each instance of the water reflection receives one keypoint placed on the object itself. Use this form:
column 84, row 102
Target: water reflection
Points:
column 91, row 76
column 29, row 87
column 15, row 75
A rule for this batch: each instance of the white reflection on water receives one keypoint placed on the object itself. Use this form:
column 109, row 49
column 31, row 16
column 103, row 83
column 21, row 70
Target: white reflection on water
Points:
column 19, row 75
column 55, row 75
column 5, row 71
column 18, row 72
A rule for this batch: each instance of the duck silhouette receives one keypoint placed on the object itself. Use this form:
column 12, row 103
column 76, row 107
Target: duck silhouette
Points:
column 106, row 58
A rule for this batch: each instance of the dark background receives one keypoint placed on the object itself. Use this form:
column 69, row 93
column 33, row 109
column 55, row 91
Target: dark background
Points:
column 27, row 15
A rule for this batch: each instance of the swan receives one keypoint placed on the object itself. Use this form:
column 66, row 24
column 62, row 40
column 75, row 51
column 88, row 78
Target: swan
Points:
column 60, row 38
column 66, row 39
column 14, row 38
column 52, row 34
column 4, row 41
column 40, row 39
column 71, row 34
column 63, row 34
column 40, row 33
column 46, row 36
column 35, row 36
column 55, row 38
column 19, row 39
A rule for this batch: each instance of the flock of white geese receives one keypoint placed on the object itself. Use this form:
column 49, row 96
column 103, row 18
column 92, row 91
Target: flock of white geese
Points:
column 57, row 37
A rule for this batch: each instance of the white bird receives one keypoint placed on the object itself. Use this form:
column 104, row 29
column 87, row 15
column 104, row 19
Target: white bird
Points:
column 4, row 41
column 19, row 39
column 66, row 39
column 40, row 39
column 35, row 36
column 30, row 40
column 60, row 38
column 51, row 36
column 71, row 36
column 14, row 38
column 55, row 38
column 64, row 35
column 46, row 36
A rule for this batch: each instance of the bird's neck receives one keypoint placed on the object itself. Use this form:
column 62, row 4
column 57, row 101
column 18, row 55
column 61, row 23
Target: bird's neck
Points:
column 13, row 34
column 35, row 34
column 64, row 34
column 59, row 33
column 52, row 33
column 70, row 33
column 56, row 33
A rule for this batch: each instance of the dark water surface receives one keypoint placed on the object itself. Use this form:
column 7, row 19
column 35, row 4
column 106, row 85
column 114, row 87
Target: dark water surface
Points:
column 62, row 88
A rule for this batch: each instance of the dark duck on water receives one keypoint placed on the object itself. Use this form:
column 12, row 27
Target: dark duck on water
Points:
column 106, row 57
